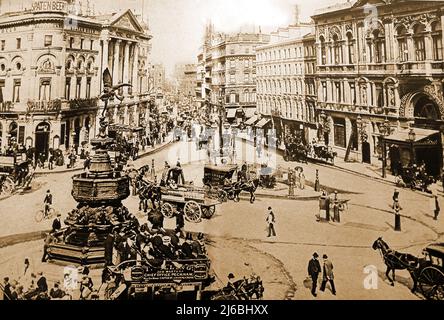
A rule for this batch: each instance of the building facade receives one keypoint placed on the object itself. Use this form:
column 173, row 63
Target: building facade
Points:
column 379, row 74
column 285, row 88
column 227, row 71
column 51, row 65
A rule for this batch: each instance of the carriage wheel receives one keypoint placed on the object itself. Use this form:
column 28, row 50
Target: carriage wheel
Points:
column 222, row 195
column 193, row 211
column 7, row 186
column 231, row 196
column 39, row 216
column 167, row 210
column 208, row 212
column 431, row 283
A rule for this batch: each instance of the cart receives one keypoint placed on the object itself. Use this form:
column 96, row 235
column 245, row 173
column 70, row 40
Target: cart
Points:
column 13, row 173
column 192, row 201
column 431, row 273
column 214, row 176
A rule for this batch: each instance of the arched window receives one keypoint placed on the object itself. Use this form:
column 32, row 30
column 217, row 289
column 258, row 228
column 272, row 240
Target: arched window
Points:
column 323, row 51
column 437, row 41
column 337, row 59
column 418, row 41
column 401, row 37
column 246, row 96
column 379, row 46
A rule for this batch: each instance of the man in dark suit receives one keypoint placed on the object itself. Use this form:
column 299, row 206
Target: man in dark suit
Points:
column 47, row 201
column 180, row 224
column 186, row 248
column 6, row 289
column 314, row 268
column 109, row 246
column 42, row 285
column 57, row 224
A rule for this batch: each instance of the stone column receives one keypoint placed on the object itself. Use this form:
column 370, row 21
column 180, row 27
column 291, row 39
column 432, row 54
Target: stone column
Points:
column 135, row 69
column 126, row 65
column 105, row 52
column 410, row 48
column 116, row 66
column 125, row 116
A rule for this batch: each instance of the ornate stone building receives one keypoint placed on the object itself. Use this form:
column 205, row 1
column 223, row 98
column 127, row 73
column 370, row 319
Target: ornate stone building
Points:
column 51, row 65
column 283, row 84
column 379, row 72
column 227, row 67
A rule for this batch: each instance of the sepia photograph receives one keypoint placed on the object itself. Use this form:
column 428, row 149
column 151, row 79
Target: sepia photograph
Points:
column 231, row 150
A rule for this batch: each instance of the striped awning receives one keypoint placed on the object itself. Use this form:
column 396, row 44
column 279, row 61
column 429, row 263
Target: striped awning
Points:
column 231, row 113
column 251, row 121
column 262, row 123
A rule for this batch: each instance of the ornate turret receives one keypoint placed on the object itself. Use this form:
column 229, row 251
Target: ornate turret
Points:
column 99, row 193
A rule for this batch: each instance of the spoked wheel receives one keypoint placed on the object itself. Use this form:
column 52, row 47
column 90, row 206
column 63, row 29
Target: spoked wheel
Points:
column 39, row 216
column 7, row 187
column 431, row 283
column 208, row 212
column 193, row 211
column 167, row 210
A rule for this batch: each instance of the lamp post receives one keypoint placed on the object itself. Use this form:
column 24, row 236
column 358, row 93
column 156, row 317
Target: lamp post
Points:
column 221, row 120
column 385, row 130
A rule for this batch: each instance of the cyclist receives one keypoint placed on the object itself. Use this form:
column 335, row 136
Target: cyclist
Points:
column 47, row 202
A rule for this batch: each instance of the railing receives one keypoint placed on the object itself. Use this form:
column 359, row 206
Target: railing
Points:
column 50, row 106
column 6, row 106
column 83, row 103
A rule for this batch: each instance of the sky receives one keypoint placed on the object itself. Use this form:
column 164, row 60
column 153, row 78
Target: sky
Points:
column 178, row 26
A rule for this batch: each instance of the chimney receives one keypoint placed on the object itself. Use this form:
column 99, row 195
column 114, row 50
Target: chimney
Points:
column 296, row 14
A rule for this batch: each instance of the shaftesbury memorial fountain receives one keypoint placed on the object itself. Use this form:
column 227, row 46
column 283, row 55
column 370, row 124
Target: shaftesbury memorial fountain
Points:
column 99, row 194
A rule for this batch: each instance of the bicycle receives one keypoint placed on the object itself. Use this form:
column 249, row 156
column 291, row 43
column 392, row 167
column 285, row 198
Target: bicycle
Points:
column 40, row 215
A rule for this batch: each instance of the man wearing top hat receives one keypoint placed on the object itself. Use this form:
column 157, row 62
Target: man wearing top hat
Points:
column 314, row 268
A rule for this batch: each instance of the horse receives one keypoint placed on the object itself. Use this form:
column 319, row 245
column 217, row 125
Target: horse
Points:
column 147, row 191
column 249, row 186
column 395, row 260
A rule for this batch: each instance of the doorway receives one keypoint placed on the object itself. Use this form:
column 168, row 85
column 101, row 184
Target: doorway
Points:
column 366, row 155
column 42, row 139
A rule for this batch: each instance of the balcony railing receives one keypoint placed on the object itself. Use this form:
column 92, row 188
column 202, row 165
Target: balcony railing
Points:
column 83, row 103
column 51, row 106
column 6, row 106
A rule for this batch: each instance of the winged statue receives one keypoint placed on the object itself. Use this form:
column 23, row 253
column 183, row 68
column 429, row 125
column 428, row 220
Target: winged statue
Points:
column 110, row 91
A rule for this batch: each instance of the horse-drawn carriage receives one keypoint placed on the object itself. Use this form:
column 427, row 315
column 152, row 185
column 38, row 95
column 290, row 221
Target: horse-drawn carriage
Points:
column 414, row 178
column 14, row 172
column 322, row 153
column 295, row 152
column 427, row 272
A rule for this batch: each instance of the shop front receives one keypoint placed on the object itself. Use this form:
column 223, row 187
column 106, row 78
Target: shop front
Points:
column 414, row 146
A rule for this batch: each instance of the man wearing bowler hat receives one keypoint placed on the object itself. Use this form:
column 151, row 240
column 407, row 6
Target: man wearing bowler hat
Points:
column 57, row 224
column 314, row 268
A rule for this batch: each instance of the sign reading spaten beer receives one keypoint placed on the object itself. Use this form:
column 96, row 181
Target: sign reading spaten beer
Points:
column 59, row 6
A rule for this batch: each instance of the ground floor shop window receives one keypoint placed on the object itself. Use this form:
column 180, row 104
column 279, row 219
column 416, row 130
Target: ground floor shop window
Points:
column 339, row 132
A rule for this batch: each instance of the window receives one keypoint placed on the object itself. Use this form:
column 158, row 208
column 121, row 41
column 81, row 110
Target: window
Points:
column 401, row 37
column 336, row 50
column 379, row 95
column 45, row 90
column 91, row 44
column 16, row 90
column 233, row 78
column 352, row 93
column 246, row 63
column 324, row 91
column 78, row 87
column 350, row 48
column 48, row 40
column 246, row 77
column 19, row 43
column 88, row 87
column 323, row 52
column 71, row 42
column 232, row 97
column 379, row 45
column 67, row 88
column 81, row 43
column 62, row 133
column 437, row 41
column 3, row 45
column 338, row 92
column 339, row 132
column 418, row 40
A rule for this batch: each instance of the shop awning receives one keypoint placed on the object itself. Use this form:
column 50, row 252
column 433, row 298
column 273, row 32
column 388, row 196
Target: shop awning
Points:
column 403, row 135
column 231, row 113
column 262, row 123
column 251, row 121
